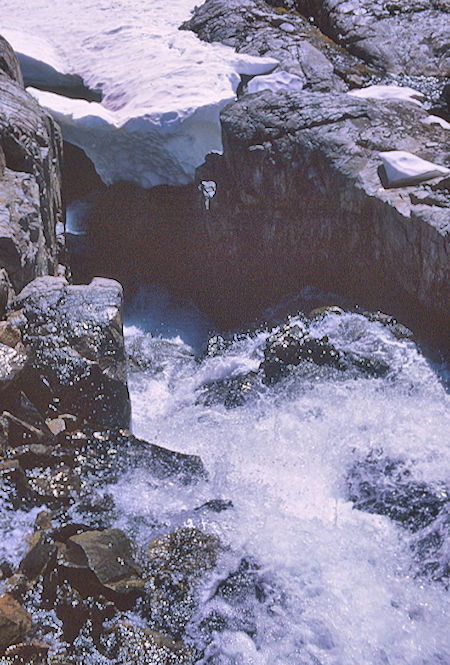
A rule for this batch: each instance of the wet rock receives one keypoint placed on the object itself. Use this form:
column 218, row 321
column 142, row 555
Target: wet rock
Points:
column 10, row 336
column 231, row 392
column 74, row 610
column 12, row 364
column 14, row 621
column 31, row 653
column 6, row 291
column 30, row 180
column 253, row 27
column 100, row 563
column 385, row 486
column 20, row 432
column 16, row 586
column 43, row 521
column 38, row 556
column 54, row 487
column 131, row 643
column 104, row 455
column 14, row 483
column 397, row 329
column 37, row 455
column 216, row 505
column 312, row 208
column 74, row 338
column 177, row 562
column 292, row 346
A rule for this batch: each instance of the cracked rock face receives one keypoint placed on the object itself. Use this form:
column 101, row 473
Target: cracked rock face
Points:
column 74, row 339
column 30, row 180
column 299, row 196
column 409, row 36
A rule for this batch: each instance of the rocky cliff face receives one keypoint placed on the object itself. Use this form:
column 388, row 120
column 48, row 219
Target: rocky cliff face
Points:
column 409, row 36
column 62, row 348
column 300, row 196
column 31, row 213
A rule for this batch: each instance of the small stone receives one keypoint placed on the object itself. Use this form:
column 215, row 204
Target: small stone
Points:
column 10, row 336
column 43, row 521
column 56, row 425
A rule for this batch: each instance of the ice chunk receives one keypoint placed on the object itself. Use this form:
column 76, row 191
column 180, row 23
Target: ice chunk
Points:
column 389, row 92
column 208, row 188
column 161, row 89
column 404, row 168
column 276, row 81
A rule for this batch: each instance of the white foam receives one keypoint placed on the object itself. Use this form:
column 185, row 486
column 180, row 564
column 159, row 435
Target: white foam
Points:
column 276, row 81
column 162, row 88
column 346, row 590
column 387, row 92
column 404, row 168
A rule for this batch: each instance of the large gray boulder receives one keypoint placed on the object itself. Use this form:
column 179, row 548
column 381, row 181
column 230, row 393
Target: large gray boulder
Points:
column 253, row 27
column 405, row 36
column 74, row 339
column 299, row 197
column 30, row 180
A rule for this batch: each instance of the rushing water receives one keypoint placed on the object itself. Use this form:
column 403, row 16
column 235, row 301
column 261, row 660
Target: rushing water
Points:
column 321, row 581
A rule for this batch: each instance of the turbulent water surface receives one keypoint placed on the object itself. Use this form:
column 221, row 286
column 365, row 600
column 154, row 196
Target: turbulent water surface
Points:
column 328, row 583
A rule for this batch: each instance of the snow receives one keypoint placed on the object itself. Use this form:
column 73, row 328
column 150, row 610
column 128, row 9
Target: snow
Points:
column 389, row 92
column 436, row 120
column 277, row 81
column 404, row 168
column 162, row 88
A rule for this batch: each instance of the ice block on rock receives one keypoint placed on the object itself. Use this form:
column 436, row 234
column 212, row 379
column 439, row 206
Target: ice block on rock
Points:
column 404, row 168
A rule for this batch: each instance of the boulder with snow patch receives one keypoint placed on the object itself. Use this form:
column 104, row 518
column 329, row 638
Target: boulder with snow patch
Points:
column 252, row 26
column 299, row 200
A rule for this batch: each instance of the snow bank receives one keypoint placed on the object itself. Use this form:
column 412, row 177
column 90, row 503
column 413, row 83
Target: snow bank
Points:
column 162, row 89
column 277, row 81
column 386, row 92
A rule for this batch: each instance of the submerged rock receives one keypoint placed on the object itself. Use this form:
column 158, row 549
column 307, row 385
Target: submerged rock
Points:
column 231, row 392
column 386, row 486
column 74, row 337
column 292, row 346
column 177, row 563
column 104, row 455
column 134, row 644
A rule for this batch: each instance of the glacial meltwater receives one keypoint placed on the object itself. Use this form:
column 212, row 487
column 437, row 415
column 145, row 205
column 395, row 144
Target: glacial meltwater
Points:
column 327, row 489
